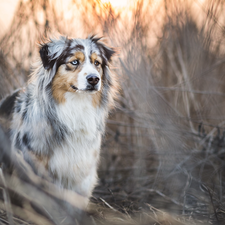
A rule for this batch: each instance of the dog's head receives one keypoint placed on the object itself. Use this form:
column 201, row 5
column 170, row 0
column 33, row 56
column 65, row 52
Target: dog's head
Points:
column 76, row 65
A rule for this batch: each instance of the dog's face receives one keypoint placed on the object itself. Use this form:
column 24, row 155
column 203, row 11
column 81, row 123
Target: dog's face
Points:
column 77, row 65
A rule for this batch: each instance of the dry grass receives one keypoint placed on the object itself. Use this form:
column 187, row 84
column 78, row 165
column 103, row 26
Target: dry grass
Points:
column 164, row 149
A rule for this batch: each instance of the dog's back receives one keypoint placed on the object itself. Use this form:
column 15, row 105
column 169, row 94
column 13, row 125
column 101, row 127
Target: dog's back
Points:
column 6, row 111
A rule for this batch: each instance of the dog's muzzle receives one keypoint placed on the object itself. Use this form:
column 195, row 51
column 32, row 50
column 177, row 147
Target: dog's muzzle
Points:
column 93, row 81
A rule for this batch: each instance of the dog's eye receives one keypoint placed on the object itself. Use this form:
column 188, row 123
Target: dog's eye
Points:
column 75, row 62
column 97, row 63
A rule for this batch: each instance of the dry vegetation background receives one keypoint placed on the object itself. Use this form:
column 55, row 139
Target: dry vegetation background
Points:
column 163, row 155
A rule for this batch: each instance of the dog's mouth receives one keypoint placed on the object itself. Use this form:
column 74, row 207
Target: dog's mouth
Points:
column 91, row 88
column 74, row 87
column 88, row 88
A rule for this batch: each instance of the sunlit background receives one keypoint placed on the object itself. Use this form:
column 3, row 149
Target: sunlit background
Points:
column 116, row 3
column 8, row 7
column 163, row 154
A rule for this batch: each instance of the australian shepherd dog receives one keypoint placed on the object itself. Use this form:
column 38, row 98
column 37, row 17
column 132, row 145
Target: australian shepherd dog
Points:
column 59, row 118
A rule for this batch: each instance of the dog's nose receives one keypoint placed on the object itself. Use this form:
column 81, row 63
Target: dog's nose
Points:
column 92, row 79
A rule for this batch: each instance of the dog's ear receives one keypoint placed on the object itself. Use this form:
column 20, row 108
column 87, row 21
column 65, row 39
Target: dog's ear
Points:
column 107, row 51
column 45, row 57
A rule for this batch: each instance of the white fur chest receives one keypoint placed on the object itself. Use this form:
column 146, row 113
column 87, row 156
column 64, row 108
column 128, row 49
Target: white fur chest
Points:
column 74, row 164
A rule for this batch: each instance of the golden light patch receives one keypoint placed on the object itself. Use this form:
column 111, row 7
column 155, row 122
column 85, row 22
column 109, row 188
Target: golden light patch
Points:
column 62, row 82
